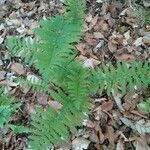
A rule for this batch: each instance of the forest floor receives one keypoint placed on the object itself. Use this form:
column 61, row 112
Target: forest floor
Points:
column 113, row 32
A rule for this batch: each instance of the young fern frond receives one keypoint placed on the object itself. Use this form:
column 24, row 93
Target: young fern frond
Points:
column 121, row 77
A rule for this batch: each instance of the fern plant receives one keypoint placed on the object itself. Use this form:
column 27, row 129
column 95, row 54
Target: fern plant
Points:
column 53, row 55
column 53, row 40
column 63, row 77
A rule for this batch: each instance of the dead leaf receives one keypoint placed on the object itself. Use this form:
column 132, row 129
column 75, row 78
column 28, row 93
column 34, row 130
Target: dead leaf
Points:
column 112, row 47
column 114, row 42
column 99, row 35
column 89, row 38
column 125, row 57
column 110, row 133
column 80, row 47
column 89, row 62
column 42, row 99
column 2, row 75
column 107, row 106
column 146, row 39
column 141, row 144
column 138, row 42
column 18, row 68
column 80, row 143
column 93, row 22
column 120, row 145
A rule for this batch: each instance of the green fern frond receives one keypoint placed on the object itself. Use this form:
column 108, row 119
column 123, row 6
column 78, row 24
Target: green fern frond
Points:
column 6, row 108
column 121, row 77
column 145, row 105
column 21, row 47
column 53, row 40
column 53, row 126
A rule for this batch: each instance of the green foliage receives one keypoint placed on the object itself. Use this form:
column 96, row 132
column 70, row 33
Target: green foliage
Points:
column 121, row 77
column 142, row 12
column 53, row 40
column 52, row 54
column 64, row 78
column 122, row 29
column 145, row 105
column 6, row 108
column 19, row 129
column 51, row 126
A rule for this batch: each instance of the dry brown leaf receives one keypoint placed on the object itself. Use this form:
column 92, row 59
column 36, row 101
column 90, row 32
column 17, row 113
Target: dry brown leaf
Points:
column 110, row 133
column 18, row 68
column 99, row 35
column 102, row 26
column 80, row 47
column 125, row 57
column 42, row 99
column 93, row 22
column 141, row 144
column 112, row 47
column 115, row 41
column 107, row 106
column 99, row 131
column 89, row 38
column 2, row 75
